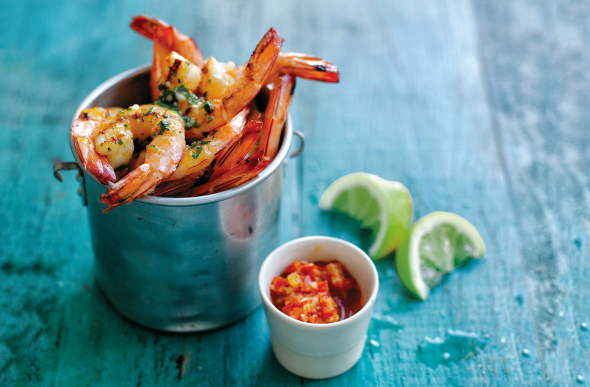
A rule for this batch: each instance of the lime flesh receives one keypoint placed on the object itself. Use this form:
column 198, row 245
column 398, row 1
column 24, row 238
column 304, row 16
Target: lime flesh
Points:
column 434, row 246
column 383, row 206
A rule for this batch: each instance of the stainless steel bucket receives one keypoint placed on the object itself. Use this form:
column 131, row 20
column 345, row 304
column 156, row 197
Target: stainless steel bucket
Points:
column 181, row 264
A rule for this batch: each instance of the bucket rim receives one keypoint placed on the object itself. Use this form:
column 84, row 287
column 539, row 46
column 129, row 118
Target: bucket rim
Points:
column 167, row 201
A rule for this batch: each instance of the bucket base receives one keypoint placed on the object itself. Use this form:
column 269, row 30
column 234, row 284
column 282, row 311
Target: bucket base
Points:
column 183, row 325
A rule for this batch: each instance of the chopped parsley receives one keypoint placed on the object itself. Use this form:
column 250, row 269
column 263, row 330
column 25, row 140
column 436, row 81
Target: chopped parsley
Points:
column 170, row 98
column 163, row 126
column 199, row 147
column 190, row 97
column 187, row 122
column 182, row 89
column 207, row 106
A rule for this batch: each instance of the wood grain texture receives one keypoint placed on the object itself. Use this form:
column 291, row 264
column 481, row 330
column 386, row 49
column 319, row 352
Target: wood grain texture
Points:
column 479, row 108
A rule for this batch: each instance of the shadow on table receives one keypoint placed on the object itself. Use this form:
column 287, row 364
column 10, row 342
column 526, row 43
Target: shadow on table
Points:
column 88, row 341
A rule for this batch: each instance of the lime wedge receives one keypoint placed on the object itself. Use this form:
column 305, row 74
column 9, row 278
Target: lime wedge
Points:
column 434, row 246
column 385, row 207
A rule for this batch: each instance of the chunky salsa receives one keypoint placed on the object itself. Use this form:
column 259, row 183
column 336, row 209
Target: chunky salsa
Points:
column 318, row 292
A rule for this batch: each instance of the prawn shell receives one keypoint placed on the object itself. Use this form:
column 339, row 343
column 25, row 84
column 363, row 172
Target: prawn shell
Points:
column 132, row 86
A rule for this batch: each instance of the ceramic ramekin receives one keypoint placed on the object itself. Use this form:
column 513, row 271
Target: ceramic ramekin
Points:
column 319, row 351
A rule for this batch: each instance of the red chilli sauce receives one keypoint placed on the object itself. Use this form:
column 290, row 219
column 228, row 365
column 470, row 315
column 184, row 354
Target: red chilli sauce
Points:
column 317, row 293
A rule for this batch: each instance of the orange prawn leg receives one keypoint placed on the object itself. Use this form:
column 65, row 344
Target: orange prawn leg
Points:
column 304, row 66
column 218, row 111
column 276, row 114
column 241, row 173
column 235, row 152
column 172, row 187
column 246, row 170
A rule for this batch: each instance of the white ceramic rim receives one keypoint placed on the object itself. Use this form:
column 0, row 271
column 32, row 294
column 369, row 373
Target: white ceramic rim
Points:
column 319, row 327
column 166, row 201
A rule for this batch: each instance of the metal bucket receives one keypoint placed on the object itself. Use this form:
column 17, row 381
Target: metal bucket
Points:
column 181, row 264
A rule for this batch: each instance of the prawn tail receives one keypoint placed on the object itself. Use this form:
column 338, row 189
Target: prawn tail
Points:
column 304, row 66
column 319, row 74
column 256, row 71
column 92, row 161
column 138, row 182
column 169, row 38
column 161, row 51
column 103, row 171
column 96, row 164
column 276, row 114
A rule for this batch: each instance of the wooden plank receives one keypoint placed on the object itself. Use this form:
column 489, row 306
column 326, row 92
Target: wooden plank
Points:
column 538, row 119
column 432, row 122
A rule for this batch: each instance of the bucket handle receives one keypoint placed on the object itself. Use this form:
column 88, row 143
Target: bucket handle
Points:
column 301, row 140
column 68, row 166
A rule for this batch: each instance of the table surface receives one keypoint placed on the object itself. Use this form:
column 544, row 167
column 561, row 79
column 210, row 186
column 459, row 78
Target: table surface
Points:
column 478, row 107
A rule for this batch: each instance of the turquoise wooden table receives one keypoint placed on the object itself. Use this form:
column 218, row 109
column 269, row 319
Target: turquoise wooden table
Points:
column 478, row 107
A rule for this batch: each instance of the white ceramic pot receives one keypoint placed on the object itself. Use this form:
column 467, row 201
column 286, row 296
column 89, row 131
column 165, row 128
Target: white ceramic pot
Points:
column 319, row 351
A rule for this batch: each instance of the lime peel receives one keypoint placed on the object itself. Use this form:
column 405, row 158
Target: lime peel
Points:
column 412, row 265
column 359, row 195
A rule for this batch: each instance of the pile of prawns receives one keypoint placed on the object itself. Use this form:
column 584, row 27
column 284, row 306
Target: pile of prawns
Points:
column 204, row 133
